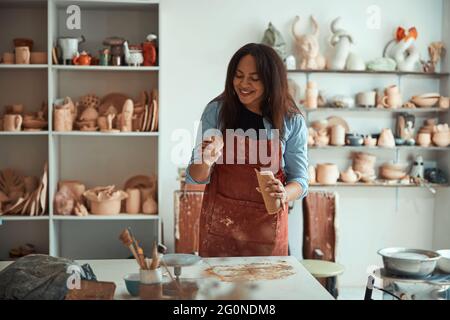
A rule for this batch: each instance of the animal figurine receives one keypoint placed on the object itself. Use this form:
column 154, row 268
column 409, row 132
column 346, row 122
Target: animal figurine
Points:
column 133, row 57
column 417, row 169
column 273, row 38
column 307, row 49
column 403, row 50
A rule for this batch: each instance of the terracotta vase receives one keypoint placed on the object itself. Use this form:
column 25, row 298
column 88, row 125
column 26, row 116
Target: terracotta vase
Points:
column 327, row 173
column 22, row 55
column 133, row 202
column 12, row 122
column 386, row 139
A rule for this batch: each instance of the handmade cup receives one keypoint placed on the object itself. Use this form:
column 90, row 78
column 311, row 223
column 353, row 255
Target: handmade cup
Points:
column 272, row 204
column 327, row 173
column 337, row 135
column 8, row 58
column 22, row 55
column 393, row 97
column 350, row 176
column 133, row 202
column 12, row 122
column 366, row 99
column 424, row 139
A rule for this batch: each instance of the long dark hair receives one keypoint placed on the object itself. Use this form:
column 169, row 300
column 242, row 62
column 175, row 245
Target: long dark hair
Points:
column 276, row 103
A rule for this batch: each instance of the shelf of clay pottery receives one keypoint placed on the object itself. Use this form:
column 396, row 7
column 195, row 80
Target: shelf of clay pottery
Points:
column 23, row 66
column 376, row 185
column 395, row 73
column 23, row 133
column 358, row 109
column 105, row 68
column 23, row 218
column 105, row 134
column 112, row 217
column 380, row 148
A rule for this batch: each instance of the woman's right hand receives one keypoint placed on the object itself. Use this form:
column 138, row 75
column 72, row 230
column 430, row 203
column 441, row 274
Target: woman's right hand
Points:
column 212, row 149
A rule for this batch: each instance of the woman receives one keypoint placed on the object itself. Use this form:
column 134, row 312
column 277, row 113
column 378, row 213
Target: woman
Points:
column 234, row 220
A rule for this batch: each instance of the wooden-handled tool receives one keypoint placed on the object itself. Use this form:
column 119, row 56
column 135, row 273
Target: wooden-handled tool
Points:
column 127, row 240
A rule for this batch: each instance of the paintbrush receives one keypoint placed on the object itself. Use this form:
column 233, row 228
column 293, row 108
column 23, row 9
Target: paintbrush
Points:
column 155, row 258
column 142, row 258
column 126, row 239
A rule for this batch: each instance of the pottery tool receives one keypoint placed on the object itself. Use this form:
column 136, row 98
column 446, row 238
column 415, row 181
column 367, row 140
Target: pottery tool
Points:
column 141, row 256
column 272, row 204
column 127, row 240
column 155, row 258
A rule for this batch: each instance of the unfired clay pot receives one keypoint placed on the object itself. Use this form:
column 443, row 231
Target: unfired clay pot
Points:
column 424, row 139
column 441, row 139
column 327, row 173
column 386, row 139
column 23, row 55
column 337, row 135
column 312, row 174
column 12, row 122
column 350, row 176
column 62, row 120
column 133, row 203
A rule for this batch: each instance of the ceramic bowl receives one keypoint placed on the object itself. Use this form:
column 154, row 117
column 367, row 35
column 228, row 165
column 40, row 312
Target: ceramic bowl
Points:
column 441, row 139
column 354, row 140
column 388, row 173
column 132, row 282
column 399, row 141
column 426, row 100
column 444, row 260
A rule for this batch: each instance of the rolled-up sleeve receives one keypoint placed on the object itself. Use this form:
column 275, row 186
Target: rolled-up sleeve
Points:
column 208, row 122
column 296, row 154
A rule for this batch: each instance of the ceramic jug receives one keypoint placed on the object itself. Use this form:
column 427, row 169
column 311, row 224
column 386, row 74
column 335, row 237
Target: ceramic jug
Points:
column 350, row 176
column 12, row 122
column 327, row 173
column 23, row 55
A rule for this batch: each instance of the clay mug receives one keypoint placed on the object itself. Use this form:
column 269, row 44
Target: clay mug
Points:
column 311, row 95
column 424, row 139
column 133, row 202
column 8, row 58
column 23, row 55
column 444, row 102
column 337, row 135
column 327, row 173
column 350, row 176
column 12, row 122
column 393, row 98
column 366, row 99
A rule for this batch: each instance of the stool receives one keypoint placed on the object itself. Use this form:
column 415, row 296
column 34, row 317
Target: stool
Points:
column 325, row 269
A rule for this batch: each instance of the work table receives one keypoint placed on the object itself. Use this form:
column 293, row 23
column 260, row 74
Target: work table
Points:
column 252, row 278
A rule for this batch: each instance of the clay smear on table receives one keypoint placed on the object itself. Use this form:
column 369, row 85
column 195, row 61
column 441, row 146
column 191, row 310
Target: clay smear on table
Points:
column 251, row 271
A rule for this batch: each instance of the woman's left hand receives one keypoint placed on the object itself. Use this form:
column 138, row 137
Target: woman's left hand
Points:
column 277, row 190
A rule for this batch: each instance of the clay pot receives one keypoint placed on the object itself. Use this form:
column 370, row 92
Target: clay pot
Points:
column 370, row 142
column 327, row 173
column 386, row 139
column 423, row 139
column 62, row 120
column 12, row 122
column 38, row 57
column 390, row 171
column 22, row 55
column 102, row 123
column 350, row 176
column 322, row 139
column 150, row 206
column 8, row 58
column 365, row 164
column 444, row 102
column 442, row 139
column 393, row 98
column 105, row 205
column 133, row 203
column 311, row 95
column 338, row 135
column 76, row 187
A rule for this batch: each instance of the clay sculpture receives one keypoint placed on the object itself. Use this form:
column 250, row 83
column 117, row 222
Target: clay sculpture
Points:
column 307, row 49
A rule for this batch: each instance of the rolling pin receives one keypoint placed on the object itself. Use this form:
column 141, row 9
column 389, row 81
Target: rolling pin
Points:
column 272, row 204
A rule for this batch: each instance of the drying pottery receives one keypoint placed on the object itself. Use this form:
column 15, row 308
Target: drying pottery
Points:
column 392, row 98
column 441, row 139
column 272, row 204
column 23, row 42
column 370, row 142
column 22, row 55
column 126, row 117
column 311, row 95
column 386, row 139
column 366, row 99
column 105, row 200
column 354, row 140
column 12, row 122
column 427, row 100
column 38, row 57
column 436, row 51
column 102, row 123
column 64, row 201
column 8, row 58
column 133, row 202
column 311, row 136
column 89, row 114
column 15, row 109
column 337, row 135
column 307, row 49
column 390, row 171
column 364, row 163
column 63, row 120
column 76, row 187
column 141, row 182
column 350, row 176
column 150, row 206
column 423, row 139
column 342, row 101
column 322, row 139
column 69, row 47
column 327, row 173
column 90, row 101
column 117, row 100
column 35, row 124
column 320, row 125
column 80, row 210
column 312, row 174
column 333, row 120
column 444, row 102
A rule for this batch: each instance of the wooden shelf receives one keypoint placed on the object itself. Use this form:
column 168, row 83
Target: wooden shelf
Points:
column 108, row 218
column 367, row 72
column 376, row 185
column 105, row 134
column 377, row 110
column 104, row 68
column 401, row 148
column 24, row 218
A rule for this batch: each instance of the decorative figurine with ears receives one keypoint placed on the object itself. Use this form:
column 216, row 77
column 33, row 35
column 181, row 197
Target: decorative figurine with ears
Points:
column 403, row 50
column 417, row 169
column 307, row 49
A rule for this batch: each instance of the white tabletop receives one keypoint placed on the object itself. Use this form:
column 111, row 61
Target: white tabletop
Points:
column 252, row 278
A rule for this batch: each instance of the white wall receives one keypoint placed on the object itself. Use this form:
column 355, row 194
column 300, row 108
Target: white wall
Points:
column 197, row 39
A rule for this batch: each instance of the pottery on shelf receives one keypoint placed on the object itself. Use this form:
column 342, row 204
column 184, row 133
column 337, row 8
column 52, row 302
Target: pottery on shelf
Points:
column 441, row 139
column 22, row 55
column 366, row 99
column 364, row 163
column 423, row 139
column 392, row 98
column 126, row 117
column 312, row 174
column 444, row 102
column 327, row 173
column 370, row 142
column 350, row 176
column 12, row 122
column 311, row 95
column 322, row 139
column 403, row 50
column 307, row 48
column 133, row 202
column 133, row 57
column 427, row 100
column 38, row 57
column 354, row 140
column 337, row 135
column 82, row 59
column 105, row 200
column 386, row 139
column 391, row 171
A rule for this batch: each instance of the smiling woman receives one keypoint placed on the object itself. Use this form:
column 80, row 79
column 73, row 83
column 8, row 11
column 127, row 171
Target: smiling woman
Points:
column 234, row 220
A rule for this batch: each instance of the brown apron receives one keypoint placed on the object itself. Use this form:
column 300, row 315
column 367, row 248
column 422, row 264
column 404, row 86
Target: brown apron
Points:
column 234, row 221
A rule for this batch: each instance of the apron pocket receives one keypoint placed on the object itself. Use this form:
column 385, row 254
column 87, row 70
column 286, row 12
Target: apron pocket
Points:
column 243, row 220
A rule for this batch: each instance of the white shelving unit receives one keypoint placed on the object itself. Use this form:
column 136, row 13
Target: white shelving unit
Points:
column 94, row 158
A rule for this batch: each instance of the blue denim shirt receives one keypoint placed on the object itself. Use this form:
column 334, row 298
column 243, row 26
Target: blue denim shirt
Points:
column 294, row 146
